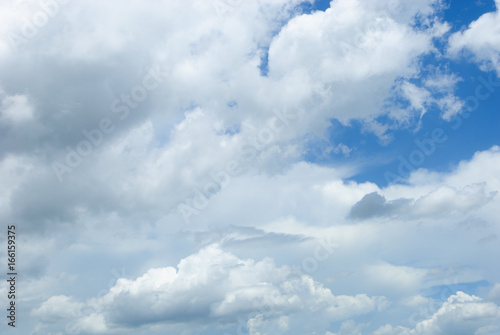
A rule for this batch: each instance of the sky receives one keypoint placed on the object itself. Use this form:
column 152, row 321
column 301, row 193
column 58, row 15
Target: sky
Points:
column 251, row 167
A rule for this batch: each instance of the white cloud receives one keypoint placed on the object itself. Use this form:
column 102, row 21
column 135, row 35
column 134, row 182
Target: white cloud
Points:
column 210, row 285
column 58, row 307
column 416, row 301
column 396, row 277
column 460, row 314
column 259, row 324
column 352, row 48
column 482, row 39
column 437, row 203
column 447, row 199
column 494, row 294
column 16, row 108
column 469, row 186
column 209, row 64
column 349, row 328
column 214, row 107
column 455, row 194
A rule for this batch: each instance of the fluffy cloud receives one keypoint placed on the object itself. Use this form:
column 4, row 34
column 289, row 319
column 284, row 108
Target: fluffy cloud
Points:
column 58, row 307
column 213, row 62
column 285, row 221
column 471, row 185
column 193, row 91
column 481, row 39
column 210, row 285
column 212, row 104
column 460, row 314
column 353, row 47
column 439, row 202
column 495, row 292
column 349, row 328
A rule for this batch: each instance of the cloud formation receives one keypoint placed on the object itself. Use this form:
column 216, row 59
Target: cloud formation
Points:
column 208, row 286
column 136, row 136
column 460, row 314
column 481, row 40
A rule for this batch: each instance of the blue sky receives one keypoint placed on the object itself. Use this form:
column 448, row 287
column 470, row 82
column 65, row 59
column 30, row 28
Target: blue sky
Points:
column 477, row 132
column 251, row 167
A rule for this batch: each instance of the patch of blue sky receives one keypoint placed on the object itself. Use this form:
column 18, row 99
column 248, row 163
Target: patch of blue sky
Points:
column 461, row 137
column 231, row 104
column 465, row 134
column 442, row 292
column 264, row 62
column 318, row 5
column 232, row 130
column 461, row 13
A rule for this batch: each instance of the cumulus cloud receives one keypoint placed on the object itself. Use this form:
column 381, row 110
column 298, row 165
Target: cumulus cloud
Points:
column 284, row 220
column 439, row 202
column 447, row 199
column 470, row 186
column 209, row 285
column 494, row 294
column 210, row 105
column 460, row 314
column 351, row 48
column 214, row 62
column 481, row 39
column 349, row 328
column 58, row 307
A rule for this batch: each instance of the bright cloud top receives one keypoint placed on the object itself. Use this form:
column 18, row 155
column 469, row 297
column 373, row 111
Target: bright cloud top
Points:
column 209, row 285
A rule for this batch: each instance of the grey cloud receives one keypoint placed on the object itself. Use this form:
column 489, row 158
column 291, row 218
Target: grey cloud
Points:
column 441, row 201
column 375, row 205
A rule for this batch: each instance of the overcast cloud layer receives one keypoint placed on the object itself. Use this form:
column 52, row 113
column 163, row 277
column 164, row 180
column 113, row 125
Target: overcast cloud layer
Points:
column 154, row 159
